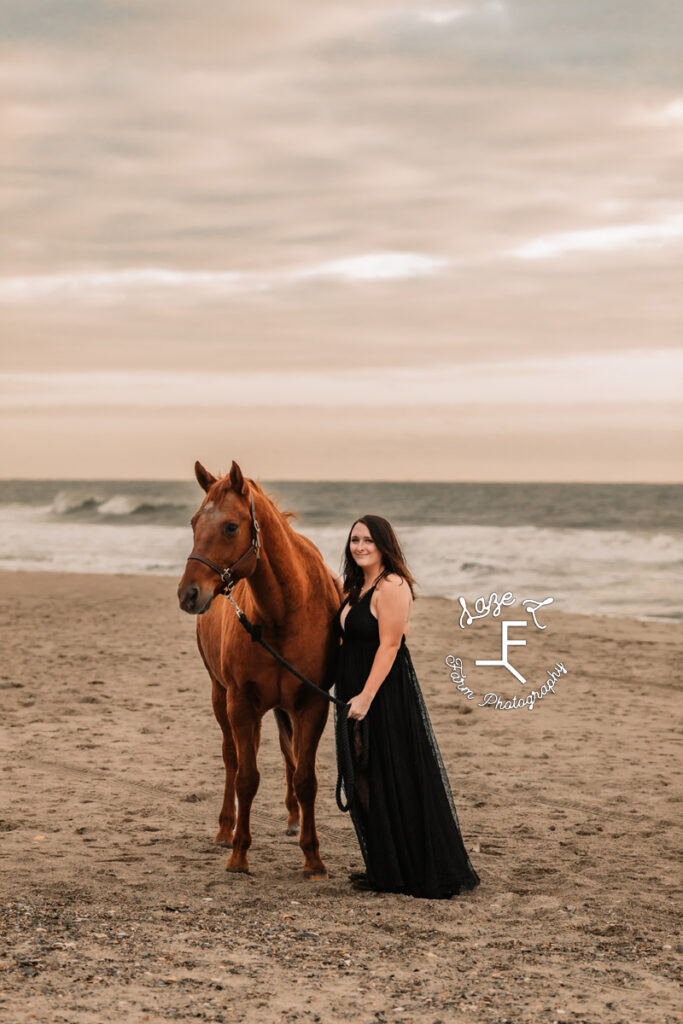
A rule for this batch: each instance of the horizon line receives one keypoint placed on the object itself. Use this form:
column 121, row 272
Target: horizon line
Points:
column 328, row 480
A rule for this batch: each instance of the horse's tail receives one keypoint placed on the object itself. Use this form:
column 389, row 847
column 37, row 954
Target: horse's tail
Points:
column 284, row 727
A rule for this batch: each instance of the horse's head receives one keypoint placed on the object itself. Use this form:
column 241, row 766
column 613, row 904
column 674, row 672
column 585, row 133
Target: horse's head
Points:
column 226, row 539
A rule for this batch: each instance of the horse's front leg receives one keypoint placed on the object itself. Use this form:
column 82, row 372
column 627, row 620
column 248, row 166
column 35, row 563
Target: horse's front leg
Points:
column 226, row 818
column 309, row 723
column 246, row 731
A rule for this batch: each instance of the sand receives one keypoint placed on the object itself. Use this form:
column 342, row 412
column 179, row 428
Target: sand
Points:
column 116, row 905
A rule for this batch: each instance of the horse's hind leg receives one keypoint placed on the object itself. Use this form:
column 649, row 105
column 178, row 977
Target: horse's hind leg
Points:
column 284, row 727
column 309, row 723
column 226, row 818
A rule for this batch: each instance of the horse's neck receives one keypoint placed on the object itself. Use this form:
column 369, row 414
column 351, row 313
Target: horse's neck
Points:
column 280, row 571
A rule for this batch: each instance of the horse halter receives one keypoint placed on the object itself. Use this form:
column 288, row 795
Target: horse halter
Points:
column 226, row 574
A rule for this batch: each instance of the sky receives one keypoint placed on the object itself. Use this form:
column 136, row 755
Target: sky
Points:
column 361, row 241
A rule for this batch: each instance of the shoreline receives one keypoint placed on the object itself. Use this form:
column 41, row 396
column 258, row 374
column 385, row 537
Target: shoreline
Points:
column 52, row 575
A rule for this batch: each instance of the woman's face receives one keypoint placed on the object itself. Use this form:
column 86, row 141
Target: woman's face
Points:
column 363, row 548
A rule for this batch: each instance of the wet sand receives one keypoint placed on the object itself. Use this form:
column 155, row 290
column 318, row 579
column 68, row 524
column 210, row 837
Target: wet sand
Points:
column 116, row 905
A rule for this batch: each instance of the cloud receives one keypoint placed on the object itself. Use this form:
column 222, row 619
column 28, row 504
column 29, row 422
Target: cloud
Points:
column 443, row 16
column 664, row 117
column 603, row 239
column 82, row 284
column 449, row 15
column 637, row 376
column 378, row 266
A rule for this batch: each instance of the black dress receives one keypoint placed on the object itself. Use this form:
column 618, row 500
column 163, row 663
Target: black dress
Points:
column 402, row 806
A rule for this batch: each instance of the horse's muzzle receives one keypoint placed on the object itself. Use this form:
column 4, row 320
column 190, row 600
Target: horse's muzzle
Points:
column 192, row 600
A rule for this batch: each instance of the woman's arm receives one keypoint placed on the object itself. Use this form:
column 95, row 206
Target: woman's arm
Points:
column 393, row 606
column 339, row 585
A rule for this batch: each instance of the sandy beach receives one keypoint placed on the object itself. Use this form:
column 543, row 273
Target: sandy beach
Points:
column 116, row 905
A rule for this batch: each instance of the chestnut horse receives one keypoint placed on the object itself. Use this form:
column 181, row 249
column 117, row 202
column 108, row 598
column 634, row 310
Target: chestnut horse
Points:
column 283, row 585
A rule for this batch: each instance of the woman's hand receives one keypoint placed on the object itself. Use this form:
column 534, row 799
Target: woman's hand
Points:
column 359, row 706
column 338, row 582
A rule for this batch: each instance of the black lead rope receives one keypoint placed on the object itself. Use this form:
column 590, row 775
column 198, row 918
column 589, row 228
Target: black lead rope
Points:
column 345, row 758
column 345, row 772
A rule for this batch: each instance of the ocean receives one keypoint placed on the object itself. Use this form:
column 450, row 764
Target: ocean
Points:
column 609, row 549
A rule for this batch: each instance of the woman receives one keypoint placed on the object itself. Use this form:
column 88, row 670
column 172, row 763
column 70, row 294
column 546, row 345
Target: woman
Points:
column 401, row 806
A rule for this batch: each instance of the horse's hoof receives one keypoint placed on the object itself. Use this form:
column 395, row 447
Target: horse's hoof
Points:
column 242, row 869
column 292, row 830
column 239, row 864
column 316, row 876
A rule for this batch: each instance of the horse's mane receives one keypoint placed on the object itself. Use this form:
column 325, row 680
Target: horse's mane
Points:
column 223, row 485
column 286, row 515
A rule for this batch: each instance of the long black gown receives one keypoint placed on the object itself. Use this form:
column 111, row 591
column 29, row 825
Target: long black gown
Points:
column 402, row 807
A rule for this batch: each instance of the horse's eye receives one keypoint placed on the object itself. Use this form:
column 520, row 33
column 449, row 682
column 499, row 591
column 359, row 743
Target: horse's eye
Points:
column 230, row 528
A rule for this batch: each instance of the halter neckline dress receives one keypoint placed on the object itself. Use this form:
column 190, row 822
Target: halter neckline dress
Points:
column 402, row 807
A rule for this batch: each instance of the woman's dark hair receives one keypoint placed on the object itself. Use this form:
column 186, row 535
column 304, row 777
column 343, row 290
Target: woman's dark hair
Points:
column 390, row 551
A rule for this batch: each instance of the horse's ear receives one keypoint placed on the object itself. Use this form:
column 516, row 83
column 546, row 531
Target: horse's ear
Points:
column 205, row 479
column 236, row 479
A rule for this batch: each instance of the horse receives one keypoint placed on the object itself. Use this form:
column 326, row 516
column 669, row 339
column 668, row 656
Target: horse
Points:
column 282, row 584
